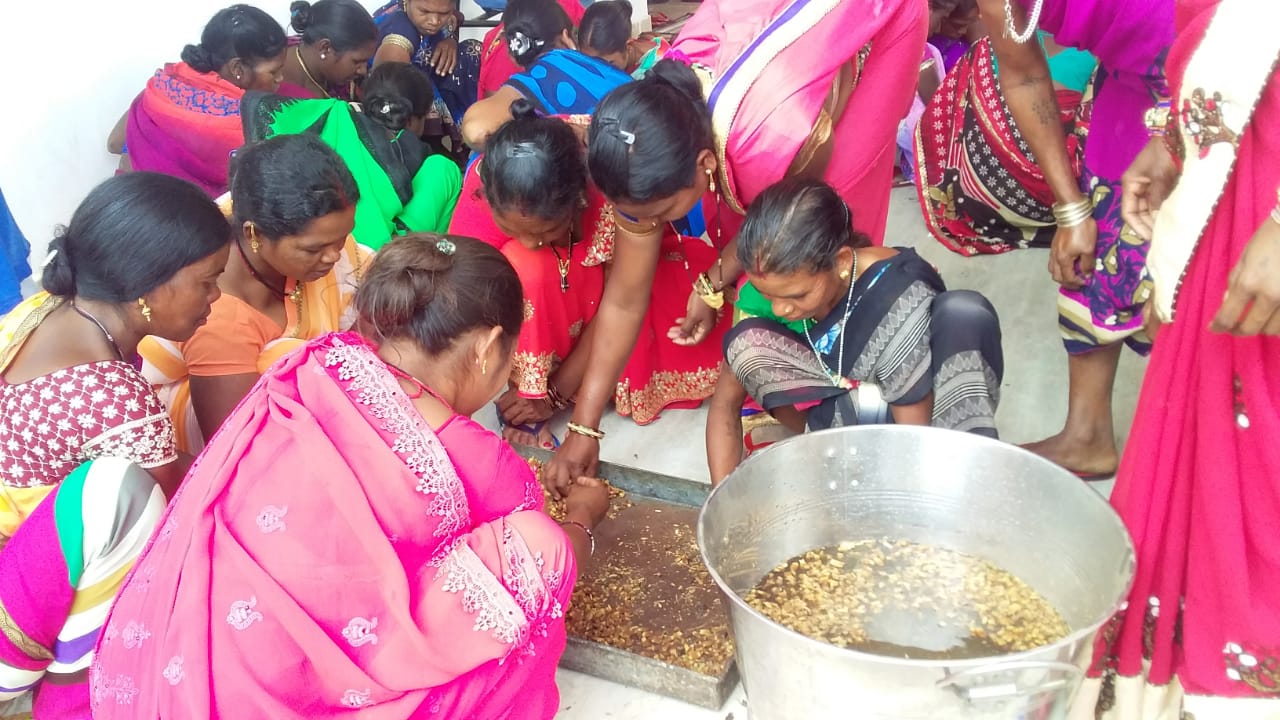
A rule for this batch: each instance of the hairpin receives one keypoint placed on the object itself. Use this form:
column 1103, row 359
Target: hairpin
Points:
column 48, row 259
column 522, row 149
column 386, row 108
column 446, row 246
column 611, row 126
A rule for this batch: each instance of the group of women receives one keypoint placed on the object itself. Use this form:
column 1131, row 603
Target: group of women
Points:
column 311, row 301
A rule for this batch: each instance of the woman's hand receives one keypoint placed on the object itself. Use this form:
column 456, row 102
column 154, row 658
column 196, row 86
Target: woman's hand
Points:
column 586, row 501
column 445, row 57
column 517, row 410
column 578, row 456
column 1252, row 303
column 1145, row 185
column 1071, row 258
column 699, row 318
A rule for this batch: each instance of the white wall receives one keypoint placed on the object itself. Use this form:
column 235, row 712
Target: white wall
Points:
column 73, row 68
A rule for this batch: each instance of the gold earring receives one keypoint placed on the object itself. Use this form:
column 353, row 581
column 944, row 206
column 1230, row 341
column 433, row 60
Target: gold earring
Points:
column 484, row 366
column 253, row 240
column 711, row 180
column 844, row 274
column 145, row 309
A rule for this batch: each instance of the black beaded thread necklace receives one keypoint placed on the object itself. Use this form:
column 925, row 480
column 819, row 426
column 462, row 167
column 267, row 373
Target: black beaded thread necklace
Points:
column 295, row 295
column 101, row 328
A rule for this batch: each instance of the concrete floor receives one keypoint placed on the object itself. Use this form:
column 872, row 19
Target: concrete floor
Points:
column 1033, row 405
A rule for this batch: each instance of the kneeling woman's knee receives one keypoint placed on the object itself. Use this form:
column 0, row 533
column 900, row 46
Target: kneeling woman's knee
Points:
column 964, row 308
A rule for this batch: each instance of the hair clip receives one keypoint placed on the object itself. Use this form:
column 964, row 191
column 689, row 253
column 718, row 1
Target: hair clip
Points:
column 522, row 149
column 446, row 246
column 48, row 259
column 519, row 43
column 611, row 126
column 386, row 107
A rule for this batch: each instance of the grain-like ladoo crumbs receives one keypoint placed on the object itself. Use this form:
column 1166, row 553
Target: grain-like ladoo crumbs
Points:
column 937, row 603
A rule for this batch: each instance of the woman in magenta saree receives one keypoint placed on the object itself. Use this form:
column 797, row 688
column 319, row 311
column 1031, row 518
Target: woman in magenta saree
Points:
column 1197, row 487
column 186, row 122
column 350, row 540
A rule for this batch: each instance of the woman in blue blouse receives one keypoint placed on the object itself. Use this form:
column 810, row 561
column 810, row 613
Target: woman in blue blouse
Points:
column 425, row 33
column 557, row 79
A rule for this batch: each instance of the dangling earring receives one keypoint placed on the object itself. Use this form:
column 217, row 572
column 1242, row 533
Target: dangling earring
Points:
column 711, row 180
column 253, row 240
column 144, row 309
column 484, row 366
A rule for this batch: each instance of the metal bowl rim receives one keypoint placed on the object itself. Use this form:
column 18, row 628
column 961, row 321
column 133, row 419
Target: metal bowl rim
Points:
column 1130, row 558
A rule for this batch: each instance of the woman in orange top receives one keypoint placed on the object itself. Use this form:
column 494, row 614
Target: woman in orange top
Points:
column 289, row 278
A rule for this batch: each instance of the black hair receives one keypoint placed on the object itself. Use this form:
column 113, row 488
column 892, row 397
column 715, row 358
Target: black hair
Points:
column 132, row 234
column 606, row 27
column 240, row 31
column 796, row 224
column 396, row 92
column 344, row 23
column 534, row 165
column 432, row 289
column 531, row 28
column 283, row 184
column 645, row 136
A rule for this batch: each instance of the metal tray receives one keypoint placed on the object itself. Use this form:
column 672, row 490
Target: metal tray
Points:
column 678, row 499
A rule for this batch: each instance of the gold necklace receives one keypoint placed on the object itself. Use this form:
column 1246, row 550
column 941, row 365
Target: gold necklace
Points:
column 563, row 263
column 297, row 52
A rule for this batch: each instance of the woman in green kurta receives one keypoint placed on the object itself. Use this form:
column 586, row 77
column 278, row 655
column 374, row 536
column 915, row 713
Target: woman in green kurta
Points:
column 404, row 188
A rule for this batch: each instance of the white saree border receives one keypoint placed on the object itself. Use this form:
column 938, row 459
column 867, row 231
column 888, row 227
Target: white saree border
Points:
column 1233, row 61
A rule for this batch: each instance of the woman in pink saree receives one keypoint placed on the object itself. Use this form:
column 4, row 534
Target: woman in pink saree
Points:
column 778, row 88
column 350, row 541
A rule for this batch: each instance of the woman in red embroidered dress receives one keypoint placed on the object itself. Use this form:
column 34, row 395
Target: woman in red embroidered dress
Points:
column 87, row 450
column 530, row 197
column 410, row 573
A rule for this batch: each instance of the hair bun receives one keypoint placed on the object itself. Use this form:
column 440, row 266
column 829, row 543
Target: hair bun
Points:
column 678, row 76
column 198, row 58
column 522, row 109
column 300, row 15
column 390, row 111
column 523, row 46
column 59, row 277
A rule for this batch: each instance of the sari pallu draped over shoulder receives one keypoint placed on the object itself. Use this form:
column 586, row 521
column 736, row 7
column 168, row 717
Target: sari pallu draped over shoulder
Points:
column 769, row 68
column 402, row 188
column 329, row 555
column 186, row 124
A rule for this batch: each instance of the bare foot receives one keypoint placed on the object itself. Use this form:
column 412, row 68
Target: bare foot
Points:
column 544, row 439
column 1087, row 458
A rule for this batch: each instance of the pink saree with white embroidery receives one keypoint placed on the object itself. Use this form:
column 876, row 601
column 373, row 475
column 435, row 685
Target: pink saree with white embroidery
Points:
column 331, row 554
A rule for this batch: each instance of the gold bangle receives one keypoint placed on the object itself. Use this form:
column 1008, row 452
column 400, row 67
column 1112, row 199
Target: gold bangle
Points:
column 1072, row 214
column 585, row 431
column 401, row 42
column 707, row 291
